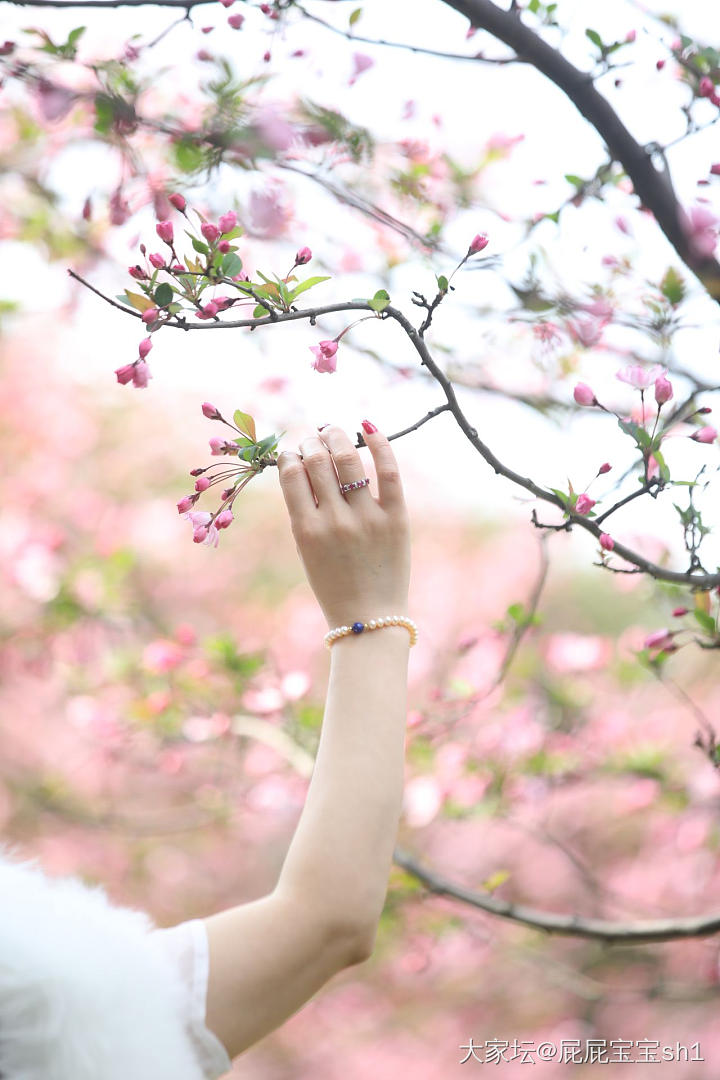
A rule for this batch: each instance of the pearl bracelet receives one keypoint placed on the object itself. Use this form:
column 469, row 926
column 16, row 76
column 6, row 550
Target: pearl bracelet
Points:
column 373, row 624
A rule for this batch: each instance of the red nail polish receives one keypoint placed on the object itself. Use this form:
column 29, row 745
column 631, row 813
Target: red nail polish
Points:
column 368, row 428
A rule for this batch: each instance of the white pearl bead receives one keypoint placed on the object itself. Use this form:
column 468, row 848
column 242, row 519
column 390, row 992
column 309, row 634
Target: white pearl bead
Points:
column 372, row 624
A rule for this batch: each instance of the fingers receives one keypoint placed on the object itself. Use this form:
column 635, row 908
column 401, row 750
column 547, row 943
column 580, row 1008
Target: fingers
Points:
column 390, row 490
column 348, row 463
column 296, row 490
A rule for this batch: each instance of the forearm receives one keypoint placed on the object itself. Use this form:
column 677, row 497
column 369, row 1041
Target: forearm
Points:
column 340, row 856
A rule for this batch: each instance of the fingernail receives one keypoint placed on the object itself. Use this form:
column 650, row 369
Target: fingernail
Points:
column 321, row 426
column 368, row 428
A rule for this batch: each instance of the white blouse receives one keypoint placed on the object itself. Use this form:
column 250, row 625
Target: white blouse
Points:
column 186, row 946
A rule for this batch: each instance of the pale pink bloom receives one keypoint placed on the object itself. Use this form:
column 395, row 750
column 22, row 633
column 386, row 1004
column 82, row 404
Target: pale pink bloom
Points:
column 325, row 360
column 630, row 36
column 295, row 684
column 268, row 214
column 660, row 639
column 202, row 533
column 584, row 504
column 700, row 226
column 547, row 333
column 586, row 332
column 577, row 652
column 653, row 469
column 640, row 377
column 125, row 373
column 361, row 63
column 224, row 519
column 54, row 101
column 162, row 655
column 601, row 308
column 274, row 129
column 119, row 208
column 623, row 225
column 217, row 446
column 502, row 143
column 584, row 395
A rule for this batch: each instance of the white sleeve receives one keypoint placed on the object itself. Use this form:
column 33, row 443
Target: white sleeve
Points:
column 186, row 946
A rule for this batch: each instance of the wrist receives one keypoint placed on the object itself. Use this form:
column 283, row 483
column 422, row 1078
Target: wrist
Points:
column 364, row 613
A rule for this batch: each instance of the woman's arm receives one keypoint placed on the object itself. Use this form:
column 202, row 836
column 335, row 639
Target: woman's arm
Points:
column 267, row 958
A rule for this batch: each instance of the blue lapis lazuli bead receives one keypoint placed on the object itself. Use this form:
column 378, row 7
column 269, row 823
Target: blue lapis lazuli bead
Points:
column 358, row 627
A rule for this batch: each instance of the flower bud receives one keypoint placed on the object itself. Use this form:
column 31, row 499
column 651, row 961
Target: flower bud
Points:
column 224, row 246
column 706, row 86
column 200, row 534
column 604, row 468
column 125, row 373
column 210, row 308
column 217, row 446
column 227, row 222
column 210, row 411
column 584, row 395
column 144, row 347
column 705, row 409
column 630, row 36
column 679, row 611
column 224, row 519
column 606, row 542
column 150, row 316
column 705, row 435
column 137, row 272
column 141, row 374
column 660, row 639
column 196, row 472
column 185, row 504
column 478, row 243
column 202, row 483
column 663, row 390
column 157, row 261
column 209, row 231
column 178, row 201
column 236, row 21
column 303, row 256
column 584, row 504
column 164, row 229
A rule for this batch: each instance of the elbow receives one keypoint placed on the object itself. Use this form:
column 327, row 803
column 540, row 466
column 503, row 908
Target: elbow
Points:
column 359, row 945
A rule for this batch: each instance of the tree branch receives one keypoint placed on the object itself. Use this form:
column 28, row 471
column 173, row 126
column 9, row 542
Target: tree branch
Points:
column 654, row 188
column 643, row 932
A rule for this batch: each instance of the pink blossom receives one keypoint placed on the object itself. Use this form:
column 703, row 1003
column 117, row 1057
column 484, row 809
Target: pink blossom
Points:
column 224, row 519
column 125, row 373
column 209, row 231
column 630, row 36
column 211, row 309
column 700, row 226
column 274, row 130
column 601, row 308
column 604, row 468
column 547, row 332
column 236, row 21
column 706, row 87
column 715, row 169
column 157, row 261
column 55, row 101
column 162, row 655
column 203, row 532
column 303, row 256
column 185, row 504
column 584, row 504
column 144, row 347
column 141, row 375
column 660, row 639
column 584, row 395
column 577, row 652
column 653, row 468
column 227, row 222
column 164, row 229
column 361, row 63
column 640, row 377
column 150, row 316
column 178, row 201
column 478, row 243
column 202, row 483
column 663, row 390
column 586, row 332
column 119, row 208
column 325, row 356
column 217, row 446
column 210, row 411
column 268, row 213
column 606, row 542
column 224, row 246
column 705, row 435
column 227, row 3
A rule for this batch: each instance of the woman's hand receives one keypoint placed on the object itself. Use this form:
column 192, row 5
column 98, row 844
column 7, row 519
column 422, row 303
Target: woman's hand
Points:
column 355, row 548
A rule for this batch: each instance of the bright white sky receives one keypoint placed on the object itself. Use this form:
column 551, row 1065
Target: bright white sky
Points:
column 475, row 102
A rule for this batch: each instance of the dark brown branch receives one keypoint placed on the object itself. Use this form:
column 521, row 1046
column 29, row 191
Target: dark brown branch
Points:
column 653, row 188
column 697, row 581
column 643, row 932
column 187, row 4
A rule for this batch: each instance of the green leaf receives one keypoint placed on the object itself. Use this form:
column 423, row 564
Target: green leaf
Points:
column 442, row 283
column 595, row 38
column 259, row 311
column 517, row 613
column 245, row 423
column 305, row 285
column 354, row 16
column 672, row 286
column 244, row 441
column 576, row 181
column 637, row 432
column 380, row 300
column 202, row 249
column 500, row 876
column 706, row 621
column 75, row 35
column 231, row 264
column 188, row 156
column 104, row 114
column 163, row 294
column 664, row 470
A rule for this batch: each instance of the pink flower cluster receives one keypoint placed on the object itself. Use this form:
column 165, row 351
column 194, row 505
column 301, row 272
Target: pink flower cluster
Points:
column 138, row 372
